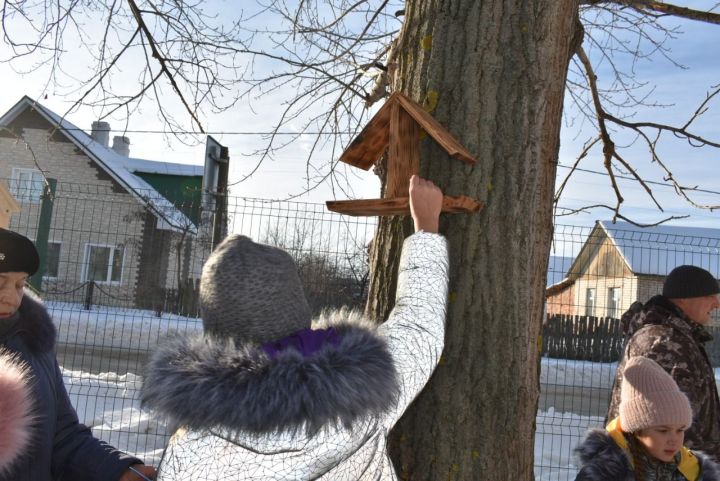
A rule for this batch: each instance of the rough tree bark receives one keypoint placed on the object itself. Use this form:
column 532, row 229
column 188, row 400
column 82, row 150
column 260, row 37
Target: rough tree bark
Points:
column 494, row 74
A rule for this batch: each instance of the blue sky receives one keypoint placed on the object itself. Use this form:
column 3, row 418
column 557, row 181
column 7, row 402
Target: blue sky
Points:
column 696, row 49
column 681, row 91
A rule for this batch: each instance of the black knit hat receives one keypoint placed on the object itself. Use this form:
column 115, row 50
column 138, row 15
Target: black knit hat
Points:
column 251, row 292
column 685, row 282
column 17, row 253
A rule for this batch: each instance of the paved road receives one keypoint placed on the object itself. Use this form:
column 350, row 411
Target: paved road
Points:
column 578, row 400
column 96, row 359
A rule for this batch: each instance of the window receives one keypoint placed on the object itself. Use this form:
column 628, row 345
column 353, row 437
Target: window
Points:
column 27, row 185
column 103, row 263
column 590, row 301
column 52, row 261
column 613, row 302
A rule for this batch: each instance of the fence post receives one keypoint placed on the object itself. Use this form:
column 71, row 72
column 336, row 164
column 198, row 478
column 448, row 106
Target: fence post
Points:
column 89, row 290
column 43, row 231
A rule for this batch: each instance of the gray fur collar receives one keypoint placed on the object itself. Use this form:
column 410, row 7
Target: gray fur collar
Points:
column 602, row 459
column 34, row 327
column 200, row 383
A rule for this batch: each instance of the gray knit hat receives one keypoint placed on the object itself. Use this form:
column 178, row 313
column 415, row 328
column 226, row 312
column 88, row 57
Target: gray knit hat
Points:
column 650, row 397
column 685, row 282
column 251, row 292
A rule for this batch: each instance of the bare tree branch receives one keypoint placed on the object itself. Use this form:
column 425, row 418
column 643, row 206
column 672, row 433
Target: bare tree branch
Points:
column 157, row 55
column 616, row 215
column 650, row 7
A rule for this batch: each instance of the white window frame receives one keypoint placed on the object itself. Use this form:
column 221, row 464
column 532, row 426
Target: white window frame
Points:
column 45, row 276
column 26, row 195
column 614, row 311
column 86, row 264
column 590, row 306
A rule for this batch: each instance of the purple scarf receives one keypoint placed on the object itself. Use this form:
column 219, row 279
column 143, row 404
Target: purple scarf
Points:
column 307, row 342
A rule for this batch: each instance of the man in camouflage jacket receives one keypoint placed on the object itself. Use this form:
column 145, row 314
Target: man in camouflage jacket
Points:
column 669, row 329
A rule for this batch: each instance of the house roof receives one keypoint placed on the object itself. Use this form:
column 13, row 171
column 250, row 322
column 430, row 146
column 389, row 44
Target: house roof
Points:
column 653, row 250
column 122, row 169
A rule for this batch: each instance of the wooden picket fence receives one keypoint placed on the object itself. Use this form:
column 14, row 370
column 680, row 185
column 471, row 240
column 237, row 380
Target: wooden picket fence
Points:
column 582, row 338
column 598, row 339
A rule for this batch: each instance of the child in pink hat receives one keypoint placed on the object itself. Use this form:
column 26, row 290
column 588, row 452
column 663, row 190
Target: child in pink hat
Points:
column 645, row 442
column 16, row 412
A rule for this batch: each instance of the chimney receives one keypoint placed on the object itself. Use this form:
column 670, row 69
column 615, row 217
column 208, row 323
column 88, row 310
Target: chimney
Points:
column 101, row 133
column 121, row 145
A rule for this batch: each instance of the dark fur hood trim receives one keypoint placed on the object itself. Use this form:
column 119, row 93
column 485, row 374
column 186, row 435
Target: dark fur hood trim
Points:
column 602, row 459
column 200, row 382
column 35, row 326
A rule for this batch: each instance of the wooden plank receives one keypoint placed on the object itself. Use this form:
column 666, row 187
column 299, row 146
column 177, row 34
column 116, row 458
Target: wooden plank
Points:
column 435, row 130
column 399, row 206
column 369, row 145
column 403, row 152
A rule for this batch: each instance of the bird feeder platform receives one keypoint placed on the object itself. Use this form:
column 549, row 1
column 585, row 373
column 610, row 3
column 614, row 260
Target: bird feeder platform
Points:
column 396, row 128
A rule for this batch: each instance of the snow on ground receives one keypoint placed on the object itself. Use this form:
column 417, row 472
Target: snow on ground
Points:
column 107, row 400
column 556, row 436
column 116, row 328
column 558, row 433
column 564, row 372
column 108, row 404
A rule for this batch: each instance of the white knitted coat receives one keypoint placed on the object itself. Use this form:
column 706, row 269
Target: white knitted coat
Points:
column 414, row 336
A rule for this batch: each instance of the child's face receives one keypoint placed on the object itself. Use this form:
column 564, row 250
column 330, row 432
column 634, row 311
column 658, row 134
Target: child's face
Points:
column 663, row 442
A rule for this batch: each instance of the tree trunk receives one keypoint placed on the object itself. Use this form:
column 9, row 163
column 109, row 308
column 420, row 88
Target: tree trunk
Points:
column 493, row 73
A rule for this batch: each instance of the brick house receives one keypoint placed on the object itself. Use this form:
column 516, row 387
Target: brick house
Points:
column 621, row 263
column 559, row 290
column 130, row 226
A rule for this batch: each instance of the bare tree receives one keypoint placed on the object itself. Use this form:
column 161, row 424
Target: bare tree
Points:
column 330, row 279
column 496, row 74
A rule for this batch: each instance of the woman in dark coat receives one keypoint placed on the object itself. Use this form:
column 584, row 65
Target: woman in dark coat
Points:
column 60, row 448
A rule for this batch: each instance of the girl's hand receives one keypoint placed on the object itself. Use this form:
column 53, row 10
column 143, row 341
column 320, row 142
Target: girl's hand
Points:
column 425, row 204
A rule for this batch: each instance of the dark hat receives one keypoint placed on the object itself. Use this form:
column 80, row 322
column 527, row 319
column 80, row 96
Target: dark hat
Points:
column 685, row 282
column 17, row 253
column 251, row 292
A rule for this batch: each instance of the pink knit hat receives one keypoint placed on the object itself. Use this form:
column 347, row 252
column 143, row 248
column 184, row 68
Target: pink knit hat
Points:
column 16, row 410
column 650, row 397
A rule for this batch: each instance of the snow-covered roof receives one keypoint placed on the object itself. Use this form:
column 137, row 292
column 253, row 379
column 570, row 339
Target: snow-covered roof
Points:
column 652, row 250
column 119, row 167
column 165, row 168
column 657, row 250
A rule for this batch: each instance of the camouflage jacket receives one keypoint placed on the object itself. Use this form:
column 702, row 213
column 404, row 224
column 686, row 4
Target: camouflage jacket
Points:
column 660, row 331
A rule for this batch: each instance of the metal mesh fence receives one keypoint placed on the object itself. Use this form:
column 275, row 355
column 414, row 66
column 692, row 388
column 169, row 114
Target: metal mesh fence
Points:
column 118, row 277
column 594, row 275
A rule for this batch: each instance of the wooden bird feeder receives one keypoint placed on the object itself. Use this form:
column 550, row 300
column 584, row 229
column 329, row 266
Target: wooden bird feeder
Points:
column 396, row 127
column 8, row 207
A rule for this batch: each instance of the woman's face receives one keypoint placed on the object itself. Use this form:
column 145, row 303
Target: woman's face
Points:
column 11, row 292
column 662, row 442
